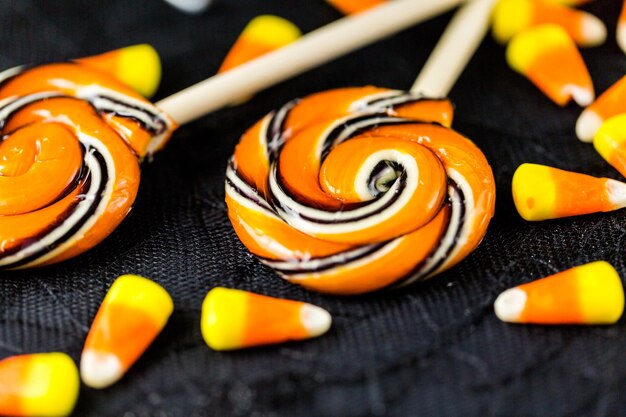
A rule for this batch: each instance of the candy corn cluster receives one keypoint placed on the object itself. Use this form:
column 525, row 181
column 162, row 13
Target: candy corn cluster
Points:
column 587, row 294
column 133, row 313
column 601, row 121
column 542, row 192
column 543, row 37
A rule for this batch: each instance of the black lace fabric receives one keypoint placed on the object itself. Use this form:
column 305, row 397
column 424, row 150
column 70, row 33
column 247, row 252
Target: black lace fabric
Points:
column 433, row 349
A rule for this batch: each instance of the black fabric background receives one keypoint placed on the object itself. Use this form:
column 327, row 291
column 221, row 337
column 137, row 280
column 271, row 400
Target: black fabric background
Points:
column 434, row 349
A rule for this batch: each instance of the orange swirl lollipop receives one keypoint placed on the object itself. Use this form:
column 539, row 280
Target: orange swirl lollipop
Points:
column 73, row 137
column 357, row 189
column 72, row 140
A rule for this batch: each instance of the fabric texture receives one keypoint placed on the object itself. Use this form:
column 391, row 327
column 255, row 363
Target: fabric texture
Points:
column 433, row 349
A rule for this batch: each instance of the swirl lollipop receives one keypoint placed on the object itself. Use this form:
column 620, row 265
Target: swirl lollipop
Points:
column 358, row 189
column 72, row 140
column 73, row 137
column 356, row 200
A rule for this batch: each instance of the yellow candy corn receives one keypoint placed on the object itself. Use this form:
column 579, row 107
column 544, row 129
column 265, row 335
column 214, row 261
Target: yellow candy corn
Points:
column 587, row 294
column 263, row 34
column 41, row 385
column 354, row 6
column 547, row 56
column 621, row 28
column 132, row 315
column 235, row 319
column 137, row 66
column 512, row 16
column 541, row 192
column 610, row 103
column 610, row 142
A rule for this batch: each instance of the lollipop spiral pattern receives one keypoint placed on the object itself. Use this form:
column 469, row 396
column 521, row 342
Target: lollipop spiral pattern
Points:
column 72, row 140
column 354, row 190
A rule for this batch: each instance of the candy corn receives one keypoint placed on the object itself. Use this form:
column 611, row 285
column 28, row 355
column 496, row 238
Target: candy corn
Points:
column 541, row 192
column 587, row 294
column 235, row 319
column 41, row 385
column 354, row 6
column 610, row 103
column 610, row 142
column 512, row 16
column 549, row 58
column 137, row 66
column 263, row 34
column 131, row 316
column 621, row 28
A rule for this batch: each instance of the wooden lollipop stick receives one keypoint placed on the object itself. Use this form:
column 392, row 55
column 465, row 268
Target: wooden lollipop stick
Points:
column 458, row 43
column 313, row 49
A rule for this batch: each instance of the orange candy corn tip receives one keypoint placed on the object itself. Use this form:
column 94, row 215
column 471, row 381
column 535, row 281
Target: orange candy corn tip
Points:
column 137, row 66
column 132, row 315
column 235, row 319
column 587, row 294
column 354, row 6
column 263, row 34
column 41, row 385
column 609, row 104
column 512, row 16
column 548, row 57
column 610, row 142
column 541, row 192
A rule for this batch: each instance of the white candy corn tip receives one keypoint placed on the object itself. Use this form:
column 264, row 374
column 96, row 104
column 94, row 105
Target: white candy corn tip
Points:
column 621, row 36
column 510, row 304
column 616, row 191
column 582, row 96
column 593, row 30
column 100, row 370
column 190, row 6
column 315, row 319
column 587, row 125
